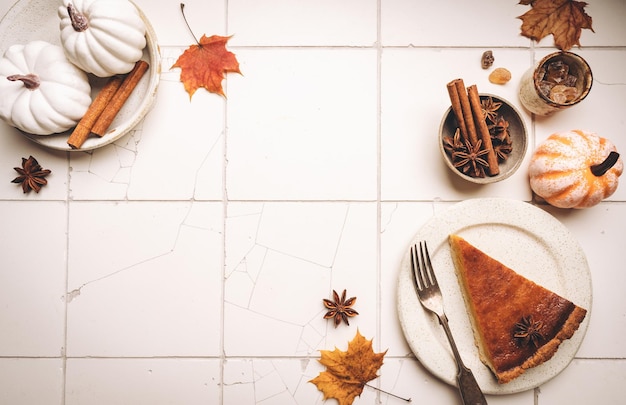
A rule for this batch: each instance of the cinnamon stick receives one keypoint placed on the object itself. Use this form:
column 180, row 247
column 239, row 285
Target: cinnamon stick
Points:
column 457, row 109
column 467, row 111
column 481, row 125
column 80, row 134
column 121, row 95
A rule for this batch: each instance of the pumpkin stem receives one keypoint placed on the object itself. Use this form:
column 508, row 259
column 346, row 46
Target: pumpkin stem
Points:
column 31, row 81
column 79, row 22
column 600, row 169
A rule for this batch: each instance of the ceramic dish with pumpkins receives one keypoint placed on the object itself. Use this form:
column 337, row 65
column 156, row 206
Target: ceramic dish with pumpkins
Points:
column 76, row 65
column 469, row 158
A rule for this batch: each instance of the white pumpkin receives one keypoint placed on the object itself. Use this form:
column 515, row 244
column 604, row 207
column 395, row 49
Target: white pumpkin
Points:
column 103, row 37
column 41, row 91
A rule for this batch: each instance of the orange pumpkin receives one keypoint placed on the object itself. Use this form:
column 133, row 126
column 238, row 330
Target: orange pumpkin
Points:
column 575, row 169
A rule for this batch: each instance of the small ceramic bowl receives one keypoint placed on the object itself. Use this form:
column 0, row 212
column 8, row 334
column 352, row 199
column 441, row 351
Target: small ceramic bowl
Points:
column 30, row 20
column 517, row 132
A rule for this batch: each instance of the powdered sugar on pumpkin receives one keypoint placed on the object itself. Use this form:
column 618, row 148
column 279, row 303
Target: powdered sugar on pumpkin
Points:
column 560, row 169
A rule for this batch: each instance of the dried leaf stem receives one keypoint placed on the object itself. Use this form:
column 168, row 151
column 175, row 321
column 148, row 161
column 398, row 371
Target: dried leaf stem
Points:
column 182, row 11
column 389, row 393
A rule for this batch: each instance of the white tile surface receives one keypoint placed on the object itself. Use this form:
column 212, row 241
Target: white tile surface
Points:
column 286, row 265
column 280, row 381
column 601, row 226
column 203, row 16
column 187, row 262
column 602, row 382
column 149, row 292
column 451, row 23
column 411, row 163
column 395, row 237
column 304, row 128
column 33, row 277
column 142, row 381
column 19, row 377
column 288, row 23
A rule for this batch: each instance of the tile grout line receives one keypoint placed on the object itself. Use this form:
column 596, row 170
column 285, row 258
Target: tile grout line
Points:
column 66, row 284
column 379, row 293
column 224, row 217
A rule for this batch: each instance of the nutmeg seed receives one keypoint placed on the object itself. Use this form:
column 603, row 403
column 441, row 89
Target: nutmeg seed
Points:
column 487, row 59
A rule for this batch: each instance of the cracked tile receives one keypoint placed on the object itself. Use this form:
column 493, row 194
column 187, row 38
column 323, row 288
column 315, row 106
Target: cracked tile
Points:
column 186, row 263
column 279, row 269
column 171, row 155
column 271, row 381
column 103, row 174
column 153, row 301
column 394, row 242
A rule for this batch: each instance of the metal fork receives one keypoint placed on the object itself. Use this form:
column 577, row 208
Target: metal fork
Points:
column 430, row 297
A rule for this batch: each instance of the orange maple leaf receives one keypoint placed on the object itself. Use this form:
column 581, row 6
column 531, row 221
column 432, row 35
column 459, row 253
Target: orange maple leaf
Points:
column 564, row 19
column 204, row 65
column 347, row 372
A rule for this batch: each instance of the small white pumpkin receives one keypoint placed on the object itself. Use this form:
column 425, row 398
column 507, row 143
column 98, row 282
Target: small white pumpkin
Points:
column 103, row 37
column 575, row 169
column 41, row 91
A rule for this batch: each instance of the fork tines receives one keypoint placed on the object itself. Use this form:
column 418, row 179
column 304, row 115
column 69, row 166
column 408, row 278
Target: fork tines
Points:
column 424, row 275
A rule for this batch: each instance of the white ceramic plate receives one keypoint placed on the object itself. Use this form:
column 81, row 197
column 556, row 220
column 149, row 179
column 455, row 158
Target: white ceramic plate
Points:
column 30, row 20
column 523, row 237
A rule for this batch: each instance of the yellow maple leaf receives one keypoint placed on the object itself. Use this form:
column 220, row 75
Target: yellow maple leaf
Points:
column 347, row 372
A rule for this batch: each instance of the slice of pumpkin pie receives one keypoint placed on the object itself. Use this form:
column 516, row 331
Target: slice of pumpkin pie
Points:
column 517, row 323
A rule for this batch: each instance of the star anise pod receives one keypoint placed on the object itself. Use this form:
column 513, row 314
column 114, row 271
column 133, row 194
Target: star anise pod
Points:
column 490, row 108
column 31, row 175
column 339, row 309
column 453, row 143
column 499, row 129
column 502, row 150
column 528, row 331
column 471, row 161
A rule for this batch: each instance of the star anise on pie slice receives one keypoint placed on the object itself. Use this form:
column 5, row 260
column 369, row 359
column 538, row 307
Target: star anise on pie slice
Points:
column 31, row 175
column 340, row 309
column 528, row 331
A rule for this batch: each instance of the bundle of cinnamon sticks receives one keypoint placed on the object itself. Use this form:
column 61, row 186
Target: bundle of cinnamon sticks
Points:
column 106, row 105
column 469, row 115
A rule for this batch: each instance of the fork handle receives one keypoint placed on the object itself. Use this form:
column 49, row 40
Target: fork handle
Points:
column 470, row 391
